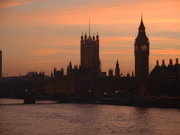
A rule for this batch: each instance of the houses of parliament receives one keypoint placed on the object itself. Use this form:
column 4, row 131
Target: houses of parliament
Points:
column 87, row 79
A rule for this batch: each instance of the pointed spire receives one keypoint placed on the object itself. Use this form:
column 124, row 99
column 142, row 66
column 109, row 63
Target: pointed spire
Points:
column 141, row 26
column 82, row 36
column 141, row 18
column 70, row 64
column 117, row 62
column 117, row 69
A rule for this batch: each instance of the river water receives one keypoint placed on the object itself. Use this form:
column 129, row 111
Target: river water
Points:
column 48, row 118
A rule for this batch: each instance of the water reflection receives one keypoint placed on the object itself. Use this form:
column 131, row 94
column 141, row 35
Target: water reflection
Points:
column 87, row 119
column 142, row 121
column 6, row 101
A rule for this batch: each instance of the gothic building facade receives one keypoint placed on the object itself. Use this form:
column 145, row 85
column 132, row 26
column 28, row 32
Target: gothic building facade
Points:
column 90, row 53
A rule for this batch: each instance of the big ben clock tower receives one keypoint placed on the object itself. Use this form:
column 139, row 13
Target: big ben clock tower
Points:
column 141, row 50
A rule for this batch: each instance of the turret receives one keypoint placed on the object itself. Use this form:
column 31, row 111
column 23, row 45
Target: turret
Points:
column 110, row 72
column 82, row 37
column 89, row 37
column 177, row 63
column 163, row 63
column 128, row 75
column 70, row 65
column 55, row 70
column 93, row 37
column 170, row 62
column 69, row 68
column 157, row 63
column 97, row 37
column 85, row 36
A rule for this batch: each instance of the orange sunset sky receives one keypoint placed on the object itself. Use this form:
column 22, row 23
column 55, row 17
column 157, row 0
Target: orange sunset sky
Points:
column 38, row 35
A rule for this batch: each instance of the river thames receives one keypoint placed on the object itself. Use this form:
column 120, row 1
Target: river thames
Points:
column 50, row 118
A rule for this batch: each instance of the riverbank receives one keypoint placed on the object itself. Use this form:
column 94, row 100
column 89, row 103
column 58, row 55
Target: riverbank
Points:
column 139, row 101
column 158, row 102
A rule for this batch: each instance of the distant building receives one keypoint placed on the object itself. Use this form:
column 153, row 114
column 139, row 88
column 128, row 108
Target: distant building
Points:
column 117, row 69
column 168, row 72
column 110, row 72
column 90, row 53
column 69, row 69
column 141, row 51
column 0, row 63
column 165, row 79
column 58, row 74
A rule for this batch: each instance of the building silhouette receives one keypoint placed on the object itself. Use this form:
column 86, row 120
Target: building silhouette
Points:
column 117, row 69
column 141, row 51
column 0, row 63
column 111, row 72
column 163, row 71
column 90, row 53
column 165, row 79
column 86, row 81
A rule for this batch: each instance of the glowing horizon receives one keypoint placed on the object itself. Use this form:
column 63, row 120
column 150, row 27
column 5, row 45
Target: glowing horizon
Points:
column 38, row 35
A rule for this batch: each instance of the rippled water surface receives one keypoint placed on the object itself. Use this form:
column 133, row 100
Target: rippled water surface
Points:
column 46, row 118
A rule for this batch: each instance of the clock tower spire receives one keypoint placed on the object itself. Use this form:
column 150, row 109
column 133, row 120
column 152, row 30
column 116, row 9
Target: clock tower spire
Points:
column 141, row 51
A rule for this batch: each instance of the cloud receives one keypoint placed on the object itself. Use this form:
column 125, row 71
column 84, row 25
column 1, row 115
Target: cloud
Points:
column 165, row 39
column 51, row 51
column 105, row 13
column 11, row 3
column 167, row 34
column 113, row 52
column 166, row 52
column 42, row 61
column 116, row 39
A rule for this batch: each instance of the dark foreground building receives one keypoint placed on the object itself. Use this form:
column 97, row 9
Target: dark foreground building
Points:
column 0, row 63
column 165, row 79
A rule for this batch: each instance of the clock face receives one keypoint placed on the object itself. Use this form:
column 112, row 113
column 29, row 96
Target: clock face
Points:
column 143, row 47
